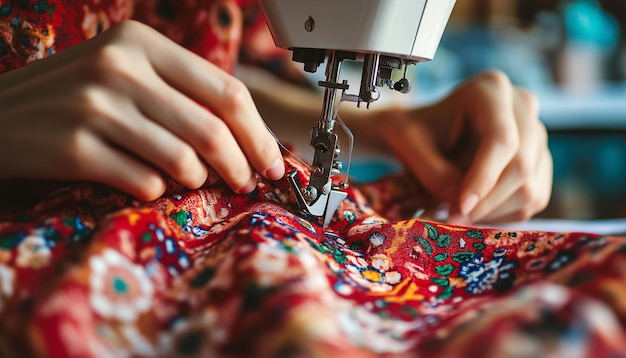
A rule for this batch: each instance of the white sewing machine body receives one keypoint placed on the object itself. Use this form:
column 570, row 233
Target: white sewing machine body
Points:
column 409, row 29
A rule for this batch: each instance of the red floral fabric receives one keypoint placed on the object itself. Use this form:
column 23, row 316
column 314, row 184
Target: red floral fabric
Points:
column 33, row 29
column 89, row 272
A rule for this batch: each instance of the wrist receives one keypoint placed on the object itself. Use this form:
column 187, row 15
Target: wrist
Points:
column 366, row 124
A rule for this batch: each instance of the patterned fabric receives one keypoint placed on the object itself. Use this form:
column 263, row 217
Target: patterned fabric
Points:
column 89, row 272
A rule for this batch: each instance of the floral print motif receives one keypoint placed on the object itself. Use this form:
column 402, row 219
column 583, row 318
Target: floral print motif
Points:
column 482, row 276
column 375, row 276
column 119, row 289
column 33, row 252
column 377, row 239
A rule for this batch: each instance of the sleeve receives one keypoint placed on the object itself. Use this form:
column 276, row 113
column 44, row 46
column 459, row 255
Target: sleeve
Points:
column 31, row 30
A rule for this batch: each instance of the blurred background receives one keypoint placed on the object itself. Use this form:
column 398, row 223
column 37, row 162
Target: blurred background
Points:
column 572, row 55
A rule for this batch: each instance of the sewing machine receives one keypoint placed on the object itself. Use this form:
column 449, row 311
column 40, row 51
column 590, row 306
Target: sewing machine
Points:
column 385, row 35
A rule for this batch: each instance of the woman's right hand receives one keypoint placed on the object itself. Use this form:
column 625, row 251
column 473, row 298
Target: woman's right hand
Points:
column 118, row 108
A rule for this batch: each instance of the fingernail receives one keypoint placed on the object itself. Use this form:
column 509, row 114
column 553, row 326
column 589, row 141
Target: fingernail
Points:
column 276, row 171
column 468, row 204
column 249, row 187
column 458, row 219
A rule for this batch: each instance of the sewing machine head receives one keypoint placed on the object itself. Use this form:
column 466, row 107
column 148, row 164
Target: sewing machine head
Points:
column 385, row 35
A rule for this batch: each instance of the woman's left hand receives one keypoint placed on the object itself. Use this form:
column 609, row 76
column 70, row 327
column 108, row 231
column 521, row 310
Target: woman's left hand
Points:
column 482, row 149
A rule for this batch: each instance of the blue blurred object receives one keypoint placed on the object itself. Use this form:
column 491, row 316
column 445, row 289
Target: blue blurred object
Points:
column 366, row 171
column 590, row 166
column 586, row 23
column 467, row 51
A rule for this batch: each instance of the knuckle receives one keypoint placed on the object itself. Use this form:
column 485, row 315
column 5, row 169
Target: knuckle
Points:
column 526, row 194
column 523, row 214
column 507, row 144
column 104, row 58
column 211, row 138
column 236, row 94
column 490, row 181
column 129, row 26
column 510, row 141
column 79, row 151
column 542, row 134
column 180, row 161
column 528, row 99
column 127, row 30
column 496, row 78
column 107, row 65
column 522, row 167
column 533, row 202
column 90, row 102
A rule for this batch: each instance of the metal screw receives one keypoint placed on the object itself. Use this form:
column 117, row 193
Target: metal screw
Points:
column 317, row 171
column 309, row 24
column 309, row 193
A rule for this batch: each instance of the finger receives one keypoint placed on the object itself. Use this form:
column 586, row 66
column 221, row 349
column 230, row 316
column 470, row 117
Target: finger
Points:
column 223, row 94
column 487, row 166
column 523, row 165
column 529, row 199
column 532, row 134
column 494, row 120
column 186, row 128
column 125, row 126
column 418, row 151
column 509, row 183
column 121, row 171
column 209, row 136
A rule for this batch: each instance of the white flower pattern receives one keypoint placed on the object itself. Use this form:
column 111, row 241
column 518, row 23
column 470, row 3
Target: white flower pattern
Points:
column 119, row 288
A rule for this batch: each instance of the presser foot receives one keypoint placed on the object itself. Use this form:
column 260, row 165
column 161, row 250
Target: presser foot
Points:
column 323, row 206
